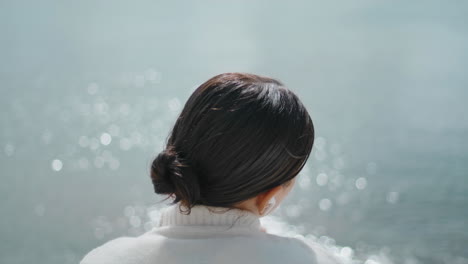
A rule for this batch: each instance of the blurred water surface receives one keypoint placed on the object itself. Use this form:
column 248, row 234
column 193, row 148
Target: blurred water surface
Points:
column 90, row 89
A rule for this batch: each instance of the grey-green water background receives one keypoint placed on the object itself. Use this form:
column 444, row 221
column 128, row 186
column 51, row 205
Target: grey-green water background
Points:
column 90, row 89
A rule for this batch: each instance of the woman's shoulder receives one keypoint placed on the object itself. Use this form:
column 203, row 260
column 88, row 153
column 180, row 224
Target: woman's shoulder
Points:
column 312, row 251
column 322, row 254
column 101, row 254
column 259, row 248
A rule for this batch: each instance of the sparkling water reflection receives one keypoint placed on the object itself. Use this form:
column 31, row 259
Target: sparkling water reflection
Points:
column 83, row 113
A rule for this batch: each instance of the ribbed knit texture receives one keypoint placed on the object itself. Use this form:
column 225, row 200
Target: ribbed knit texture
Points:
column 202, row 215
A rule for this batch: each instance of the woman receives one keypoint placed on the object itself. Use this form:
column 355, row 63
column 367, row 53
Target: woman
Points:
column 231, row 158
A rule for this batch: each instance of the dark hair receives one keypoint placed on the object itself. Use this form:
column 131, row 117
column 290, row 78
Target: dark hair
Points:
column 237, row 136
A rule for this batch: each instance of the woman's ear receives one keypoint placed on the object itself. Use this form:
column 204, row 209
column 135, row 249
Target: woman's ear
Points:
column 264, row 198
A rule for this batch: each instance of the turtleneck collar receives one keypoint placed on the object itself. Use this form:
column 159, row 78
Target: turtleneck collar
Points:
column 203, row 215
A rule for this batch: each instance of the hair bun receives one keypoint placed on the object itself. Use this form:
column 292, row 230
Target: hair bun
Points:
column 162, row 172
column 172, row 174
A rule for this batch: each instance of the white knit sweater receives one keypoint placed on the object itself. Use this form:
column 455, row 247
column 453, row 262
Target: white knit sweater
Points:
column 206, row 237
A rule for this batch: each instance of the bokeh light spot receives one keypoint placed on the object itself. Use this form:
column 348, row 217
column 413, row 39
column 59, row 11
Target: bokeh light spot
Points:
column 57, row 165
column 361, row 183
column 106, row 139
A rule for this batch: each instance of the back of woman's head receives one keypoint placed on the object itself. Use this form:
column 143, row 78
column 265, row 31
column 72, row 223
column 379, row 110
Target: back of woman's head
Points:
column 237, row 136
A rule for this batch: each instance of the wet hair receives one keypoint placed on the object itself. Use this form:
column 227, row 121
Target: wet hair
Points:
column 237, row 136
